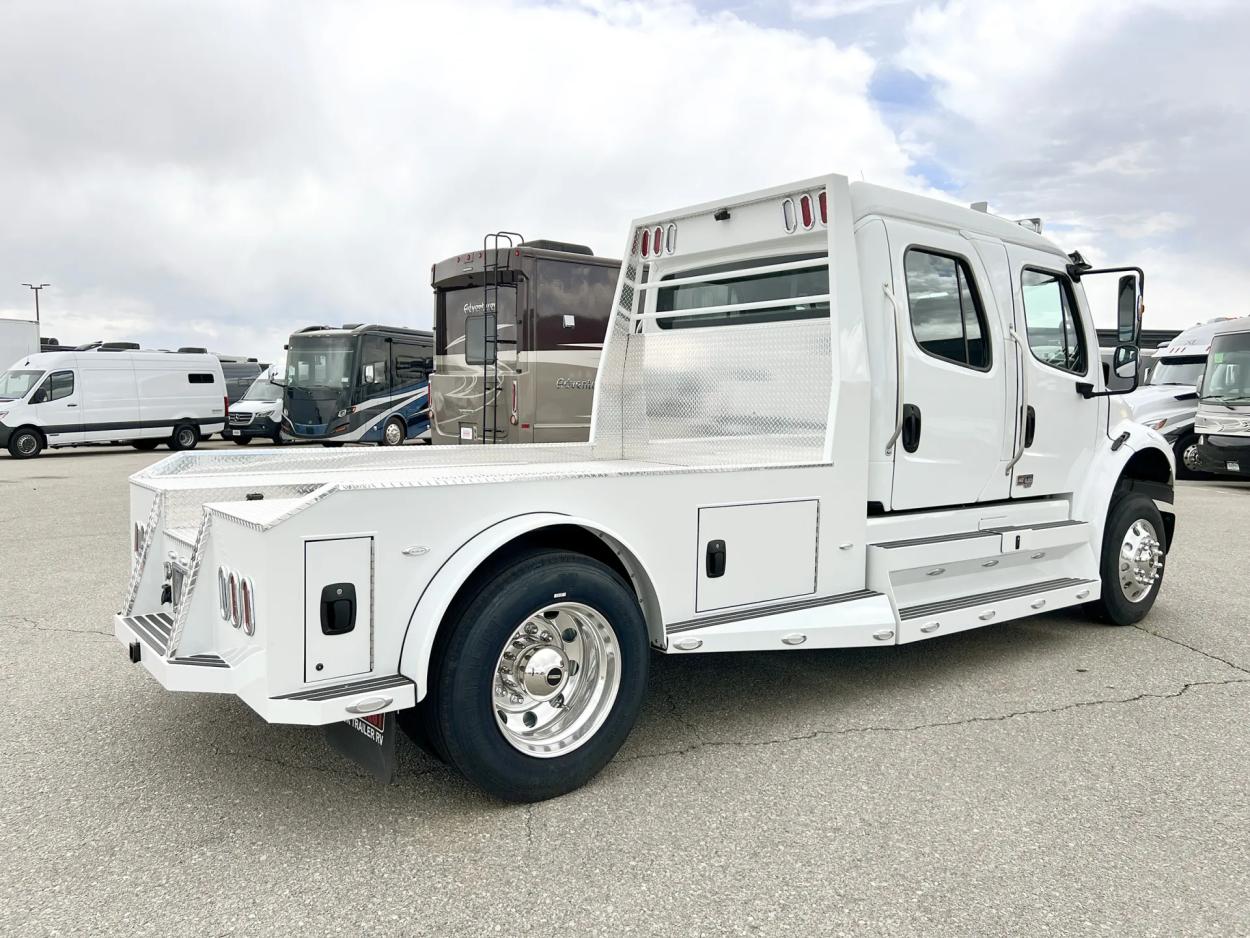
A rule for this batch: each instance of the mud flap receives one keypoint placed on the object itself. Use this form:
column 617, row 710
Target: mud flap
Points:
column 369, row 742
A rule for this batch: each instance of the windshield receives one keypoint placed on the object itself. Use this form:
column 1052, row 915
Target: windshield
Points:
column 1178, row 370
column 1227, row 378
column 16, row 384
column 263, row 389
column 320, row 362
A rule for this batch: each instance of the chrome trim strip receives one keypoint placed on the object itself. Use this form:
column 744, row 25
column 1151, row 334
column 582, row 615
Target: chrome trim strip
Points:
column 978, row 599
column 758, row 612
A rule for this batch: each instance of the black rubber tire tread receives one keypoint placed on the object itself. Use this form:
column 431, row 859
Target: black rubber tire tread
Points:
column 1112, row 607
column 145, row 446
column 241, row 440
column 1178, row 450
column 458, row 715
column 22, row 432
column 173, row 437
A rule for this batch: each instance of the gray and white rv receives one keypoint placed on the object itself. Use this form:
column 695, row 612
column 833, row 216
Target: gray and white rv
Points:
column 518, row 332
column 1223, row 421
column 1168, row 402
column 101, row 395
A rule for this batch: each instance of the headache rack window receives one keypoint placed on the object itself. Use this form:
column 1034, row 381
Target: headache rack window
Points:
column 772, row 295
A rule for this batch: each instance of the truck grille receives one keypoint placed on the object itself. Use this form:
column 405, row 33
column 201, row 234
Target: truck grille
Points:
column 241, row 420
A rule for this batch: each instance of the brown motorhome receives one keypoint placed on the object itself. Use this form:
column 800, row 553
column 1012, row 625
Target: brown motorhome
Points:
column 518, row 331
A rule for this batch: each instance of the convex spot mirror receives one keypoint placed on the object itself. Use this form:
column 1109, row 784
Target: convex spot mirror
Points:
column 1124, row 363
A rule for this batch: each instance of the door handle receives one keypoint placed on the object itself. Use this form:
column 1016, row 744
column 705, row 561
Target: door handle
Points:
column 1030, row 425
column 71, row 405
column 716, row 559
column 911, row 427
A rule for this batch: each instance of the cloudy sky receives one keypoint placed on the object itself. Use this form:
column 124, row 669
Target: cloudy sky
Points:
column 221, row 173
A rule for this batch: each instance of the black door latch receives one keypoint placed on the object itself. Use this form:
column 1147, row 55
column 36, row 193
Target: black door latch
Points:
column 338, row 609
column 715, row 559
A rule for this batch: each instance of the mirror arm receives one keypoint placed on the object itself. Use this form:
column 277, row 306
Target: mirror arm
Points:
column 1076, row 272
column 1086, row 390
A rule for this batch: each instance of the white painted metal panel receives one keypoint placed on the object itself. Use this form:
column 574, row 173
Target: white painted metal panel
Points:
column 343, row 560
column 770, row 553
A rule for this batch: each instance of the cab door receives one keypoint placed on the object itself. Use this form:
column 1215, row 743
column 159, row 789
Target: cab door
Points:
column 55, row 406
column 954, row 373
column 1057, row 349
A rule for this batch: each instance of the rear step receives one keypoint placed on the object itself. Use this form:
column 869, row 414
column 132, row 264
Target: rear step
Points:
column 981, row 599
column 153, row 629
column 386, row 682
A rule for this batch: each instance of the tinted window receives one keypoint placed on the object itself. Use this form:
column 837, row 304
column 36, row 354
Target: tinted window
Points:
column 574, row 302
column 1054, row 330
column 748, row 288
column 200, row 378
column 373, row 377
column 946, row 315
column 479, row 339
column 62, row 385
column 413, row 364
column 1227, row 376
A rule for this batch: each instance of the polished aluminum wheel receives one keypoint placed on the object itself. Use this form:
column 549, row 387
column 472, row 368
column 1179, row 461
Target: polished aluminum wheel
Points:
column 27, row 444
column 556, row 679
column 1141, row 560
column 1190, row 458
column 186, row 437
column 393, row 435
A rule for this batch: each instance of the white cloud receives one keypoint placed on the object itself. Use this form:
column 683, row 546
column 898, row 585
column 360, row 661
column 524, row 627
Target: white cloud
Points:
column 264, row 166
column 831, row 9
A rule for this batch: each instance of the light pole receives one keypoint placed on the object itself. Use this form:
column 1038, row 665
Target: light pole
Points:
column 36, row 288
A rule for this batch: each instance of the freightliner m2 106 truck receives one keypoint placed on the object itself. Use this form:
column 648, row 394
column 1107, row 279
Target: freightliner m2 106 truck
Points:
column 827, row 415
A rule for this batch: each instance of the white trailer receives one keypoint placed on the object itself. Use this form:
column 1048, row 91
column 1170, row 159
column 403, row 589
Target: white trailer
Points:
column 828, row 415
column 18, row 339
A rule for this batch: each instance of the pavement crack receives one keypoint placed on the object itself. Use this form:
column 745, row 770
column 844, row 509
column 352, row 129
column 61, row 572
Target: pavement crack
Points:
column 1195, row 650
column 529, row 825
column 942, row 724
column 24, row 622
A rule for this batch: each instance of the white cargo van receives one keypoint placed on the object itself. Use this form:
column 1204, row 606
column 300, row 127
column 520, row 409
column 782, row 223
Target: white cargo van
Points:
column 55, row 399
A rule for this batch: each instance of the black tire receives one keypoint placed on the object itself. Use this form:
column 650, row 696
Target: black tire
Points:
column 1183, row 471
column 185, row 436
column 332, row 445
column 145, row 446
column 396, row 439
column 458, row 715
column 241, row 440
column 1113, row 606
column 277, row 439
column 25, row 443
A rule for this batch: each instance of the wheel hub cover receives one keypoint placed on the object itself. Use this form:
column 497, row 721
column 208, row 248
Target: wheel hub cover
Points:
column 543, row 671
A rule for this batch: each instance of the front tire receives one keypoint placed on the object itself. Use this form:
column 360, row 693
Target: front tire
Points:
column 540, row 678
column 394, row 433
column 145, row 446
column 25, row 443
column 1186, row 452
column 241, row 440
column 1134, row 546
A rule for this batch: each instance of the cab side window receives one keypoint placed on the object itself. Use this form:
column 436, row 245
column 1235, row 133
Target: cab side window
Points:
column 1051, row 320
column 947, row 318
column 58, row 385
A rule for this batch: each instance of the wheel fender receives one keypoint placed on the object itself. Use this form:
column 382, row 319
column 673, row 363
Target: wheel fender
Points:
column 436, row 597
column 1093, row 500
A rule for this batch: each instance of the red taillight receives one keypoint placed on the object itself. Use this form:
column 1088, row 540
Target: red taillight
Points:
column 659, row 240
column 225, row 405
column 646, row 242
column 805, row 210
column 824, row 208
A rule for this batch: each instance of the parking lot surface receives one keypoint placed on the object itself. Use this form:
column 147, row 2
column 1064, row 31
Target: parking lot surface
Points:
column 1043, row 777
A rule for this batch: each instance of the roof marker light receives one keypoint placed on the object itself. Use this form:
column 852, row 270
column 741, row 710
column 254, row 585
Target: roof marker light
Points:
column 670, row 239
column 805, row 210
column 824, row 207
column 788, row 217
column 658, row 241
column 646, row 242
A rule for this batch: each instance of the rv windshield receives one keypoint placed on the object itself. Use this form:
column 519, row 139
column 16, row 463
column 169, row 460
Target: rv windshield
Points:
column 1178, row 370
column 1227, row 378
column 16, row 384
column 263, row 389
column 320, row 362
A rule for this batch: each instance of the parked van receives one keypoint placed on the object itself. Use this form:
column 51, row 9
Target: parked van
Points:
column 257, row 414
column 54, row 399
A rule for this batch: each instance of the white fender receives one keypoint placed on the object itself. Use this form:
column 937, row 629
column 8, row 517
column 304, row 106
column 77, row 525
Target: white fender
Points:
column 1094, row 498
column 432, row 604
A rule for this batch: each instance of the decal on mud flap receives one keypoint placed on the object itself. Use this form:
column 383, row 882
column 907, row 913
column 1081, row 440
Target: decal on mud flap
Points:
column 369, row 741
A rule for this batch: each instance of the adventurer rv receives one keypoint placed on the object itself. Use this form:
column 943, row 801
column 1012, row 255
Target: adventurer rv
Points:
column 519, row 329
column 1223, row 419
column 357, row 384
column 1168, row 401
column 144, row 398
column 828, row 415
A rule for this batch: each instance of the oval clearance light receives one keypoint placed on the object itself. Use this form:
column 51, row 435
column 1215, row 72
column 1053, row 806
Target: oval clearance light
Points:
column 670, row 239
column 234, row 600
column 249, row 609
column 223, row 594
column 805, row 210
column 646, row 242
column 658, row 240
column 823, row 199
column 787, row 215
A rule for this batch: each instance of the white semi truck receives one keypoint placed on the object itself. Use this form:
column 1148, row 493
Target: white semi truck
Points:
column 828, row 415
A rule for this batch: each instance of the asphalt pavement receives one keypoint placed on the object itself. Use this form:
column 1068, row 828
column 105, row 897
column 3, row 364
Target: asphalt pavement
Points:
column 1042, row 777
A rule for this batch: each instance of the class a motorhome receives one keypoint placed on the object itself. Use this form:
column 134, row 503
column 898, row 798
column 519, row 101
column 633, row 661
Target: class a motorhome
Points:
column 1168, row 401
column 519, row 328
column 357, row 384
column 110, row 394
column 828, row 415
column 1223, row 419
